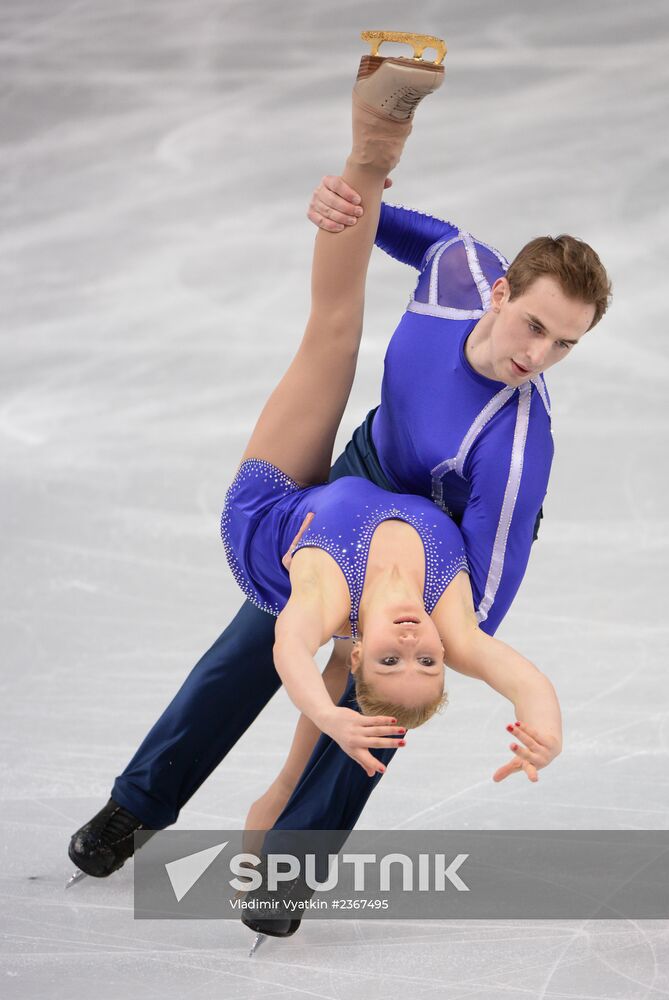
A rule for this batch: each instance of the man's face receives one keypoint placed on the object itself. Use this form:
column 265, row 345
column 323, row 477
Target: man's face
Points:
column 533, row 332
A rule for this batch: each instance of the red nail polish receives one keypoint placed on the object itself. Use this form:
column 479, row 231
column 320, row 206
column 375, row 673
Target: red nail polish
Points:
column 402, row 743
column 509, row 729
column 517, row 723
column 514, row 746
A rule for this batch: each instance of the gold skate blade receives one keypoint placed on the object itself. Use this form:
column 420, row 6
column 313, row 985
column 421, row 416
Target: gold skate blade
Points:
column 418, row 42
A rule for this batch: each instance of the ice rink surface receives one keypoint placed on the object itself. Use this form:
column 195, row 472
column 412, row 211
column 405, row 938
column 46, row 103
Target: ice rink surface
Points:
column 157, row 162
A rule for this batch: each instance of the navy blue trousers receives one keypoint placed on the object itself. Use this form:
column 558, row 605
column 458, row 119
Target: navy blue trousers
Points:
column 222, row 696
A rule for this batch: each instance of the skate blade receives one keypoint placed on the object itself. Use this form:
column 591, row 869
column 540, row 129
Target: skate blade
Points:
column 76, row 877
column 257, row 943
column 418, row 42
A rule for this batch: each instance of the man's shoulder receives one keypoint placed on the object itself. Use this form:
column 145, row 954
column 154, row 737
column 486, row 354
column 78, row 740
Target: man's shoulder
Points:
column 477, row 252
column 456, row 278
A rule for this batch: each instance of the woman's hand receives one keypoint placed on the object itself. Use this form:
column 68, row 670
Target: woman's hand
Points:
column 288, row 558
column 355, row 733
column 538, row 752
column 335, row 205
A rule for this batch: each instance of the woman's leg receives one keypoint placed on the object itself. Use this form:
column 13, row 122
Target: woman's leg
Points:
column 297, row 427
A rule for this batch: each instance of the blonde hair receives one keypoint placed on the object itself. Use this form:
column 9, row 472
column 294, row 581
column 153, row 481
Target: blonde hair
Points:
column 371, row 704
column 411, row 717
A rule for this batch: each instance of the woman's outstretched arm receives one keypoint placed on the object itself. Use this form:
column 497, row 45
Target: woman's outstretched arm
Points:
column 301, row 629
column 470, row 651
column 535, row 701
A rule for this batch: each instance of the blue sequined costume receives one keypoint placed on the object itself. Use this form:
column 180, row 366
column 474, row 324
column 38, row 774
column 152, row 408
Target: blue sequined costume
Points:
column 264, row 510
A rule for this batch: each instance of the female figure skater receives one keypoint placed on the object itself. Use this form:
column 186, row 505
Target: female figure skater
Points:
column 347, row 558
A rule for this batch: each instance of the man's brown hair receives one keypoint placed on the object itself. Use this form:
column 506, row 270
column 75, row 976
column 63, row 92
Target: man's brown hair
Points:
column 572, row 262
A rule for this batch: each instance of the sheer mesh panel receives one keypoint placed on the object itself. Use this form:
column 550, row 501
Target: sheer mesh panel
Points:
column 456, row 284
column 491, row 265
column 457, row 287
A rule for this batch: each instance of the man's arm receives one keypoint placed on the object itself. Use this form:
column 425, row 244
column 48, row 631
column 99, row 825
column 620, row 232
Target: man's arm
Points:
column 402, row 233
column 508, row 478
column 407, row 235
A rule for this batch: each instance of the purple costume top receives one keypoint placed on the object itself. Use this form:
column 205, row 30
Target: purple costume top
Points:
column 479, row 449
column 264, row 510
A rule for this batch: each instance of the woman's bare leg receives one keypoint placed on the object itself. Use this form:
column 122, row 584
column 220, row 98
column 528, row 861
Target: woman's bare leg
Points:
column 264, row 812
column 297, row 427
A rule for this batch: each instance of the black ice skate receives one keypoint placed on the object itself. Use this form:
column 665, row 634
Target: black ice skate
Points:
column 104, row 844
column 281, row 926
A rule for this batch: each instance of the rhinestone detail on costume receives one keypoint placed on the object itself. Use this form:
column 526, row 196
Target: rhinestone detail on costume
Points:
column 439, row 569
column 252, row 468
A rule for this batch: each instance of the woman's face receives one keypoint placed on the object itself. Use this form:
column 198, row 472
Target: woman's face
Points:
column 402, row 656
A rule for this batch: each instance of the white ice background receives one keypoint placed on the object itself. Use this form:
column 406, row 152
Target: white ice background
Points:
column 156, row 164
